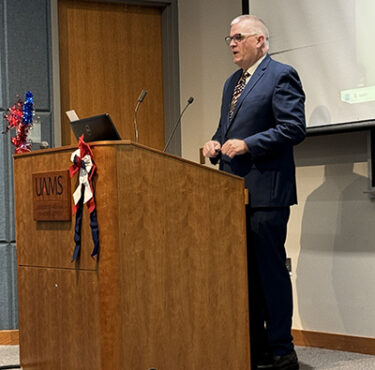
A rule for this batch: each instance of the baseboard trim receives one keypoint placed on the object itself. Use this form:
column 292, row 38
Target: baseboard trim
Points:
column 305, row 338
column 9, row 337
column 337, row 342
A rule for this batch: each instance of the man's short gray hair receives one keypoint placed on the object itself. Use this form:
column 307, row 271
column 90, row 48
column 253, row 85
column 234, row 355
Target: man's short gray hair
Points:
column 255, row 25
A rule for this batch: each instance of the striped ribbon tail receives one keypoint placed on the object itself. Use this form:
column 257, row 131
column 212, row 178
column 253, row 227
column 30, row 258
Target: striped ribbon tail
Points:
column 94, row 232
column 77, row 230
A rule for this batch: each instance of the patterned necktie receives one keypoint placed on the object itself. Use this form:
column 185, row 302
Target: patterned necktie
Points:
column 237, row 92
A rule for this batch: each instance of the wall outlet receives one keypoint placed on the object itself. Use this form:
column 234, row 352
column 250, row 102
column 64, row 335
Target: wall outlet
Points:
column 289, row 265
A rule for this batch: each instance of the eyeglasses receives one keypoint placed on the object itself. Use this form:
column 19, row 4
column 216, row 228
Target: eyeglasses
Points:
column 238, row 37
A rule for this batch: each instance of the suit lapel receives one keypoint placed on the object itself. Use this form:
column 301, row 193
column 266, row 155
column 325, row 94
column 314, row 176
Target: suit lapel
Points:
column 259, row 72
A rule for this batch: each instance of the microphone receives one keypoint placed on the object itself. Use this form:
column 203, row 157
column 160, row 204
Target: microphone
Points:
column 190, row 100
column 141, row 97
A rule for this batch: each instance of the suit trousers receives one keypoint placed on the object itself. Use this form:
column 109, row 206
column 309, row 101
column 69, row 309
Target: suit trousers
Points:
column 270, row 290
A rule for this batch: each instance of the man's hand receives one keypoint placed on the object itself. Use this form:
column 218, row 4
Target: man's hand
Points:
column 211, row 149
column 234, row 147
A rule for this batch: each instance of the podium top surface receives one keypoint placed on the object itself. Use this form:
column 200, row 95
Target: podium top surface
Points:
column 73, row 147
column 118, row 143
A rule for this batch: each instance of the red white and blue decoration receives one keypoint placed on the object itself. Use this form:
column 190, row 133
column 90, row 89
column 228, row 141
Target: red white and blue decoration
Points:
column 20, row 117
column 83, row 163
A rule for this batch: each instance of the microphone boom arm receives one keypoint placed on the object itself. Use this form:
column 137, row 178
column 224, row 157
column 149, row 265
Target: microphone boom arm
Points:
column 139, row 101
column 191, row 99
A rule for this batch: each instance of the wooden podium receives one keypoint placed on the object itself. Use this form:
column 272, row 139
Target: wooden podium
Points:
column 169, row 289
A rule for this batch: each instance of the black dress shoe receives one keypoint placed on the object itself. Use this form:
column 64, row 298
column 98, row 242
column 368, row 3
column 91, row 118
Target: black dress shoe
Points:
column 284, row 362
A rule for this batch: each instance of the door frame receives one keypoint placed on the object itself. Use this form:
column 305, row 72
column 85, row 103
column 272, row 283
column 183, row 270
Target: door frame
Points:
column 171, row 77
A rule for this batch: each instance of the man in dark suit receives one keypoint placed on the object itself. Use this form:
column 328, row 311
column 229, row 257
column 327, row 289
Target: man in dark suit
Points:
column 262, row 118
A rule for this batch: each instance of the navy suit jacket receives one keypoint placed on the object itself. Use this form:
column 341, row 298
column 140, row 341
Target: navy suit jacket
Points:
column 270, row 117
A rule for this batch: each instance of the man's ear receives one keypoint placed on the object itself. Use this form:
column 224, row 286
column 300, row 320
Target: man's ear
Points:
column 260, row 41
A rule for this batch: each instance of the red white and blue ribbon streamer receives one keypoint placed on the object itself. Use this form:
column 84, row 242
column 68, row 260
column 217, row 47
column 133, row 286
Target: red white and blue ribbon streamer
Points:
column 20, row 117
column 83, row 163
column 28, row 109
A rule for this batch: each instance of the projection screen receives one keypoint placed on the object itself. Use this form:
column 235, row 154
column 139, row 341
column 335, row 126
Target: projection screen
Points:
column 331, row 45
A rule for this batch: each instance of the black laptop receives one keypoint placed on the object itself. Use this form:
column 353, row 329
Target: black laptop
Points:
column 96, row 128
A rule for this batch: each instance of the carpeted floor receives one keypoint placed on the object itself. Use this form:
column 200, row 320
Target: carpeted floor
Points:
column 318, row 358
column 310, row 358
column 9, row 355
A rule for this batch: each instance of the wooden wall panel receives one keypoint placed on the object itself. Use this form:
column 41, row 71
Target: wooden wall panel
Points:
column 108, row 54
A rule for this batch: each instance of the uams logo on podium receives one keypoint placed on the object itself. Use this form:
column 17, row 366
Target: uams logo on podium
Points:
column 52, row 196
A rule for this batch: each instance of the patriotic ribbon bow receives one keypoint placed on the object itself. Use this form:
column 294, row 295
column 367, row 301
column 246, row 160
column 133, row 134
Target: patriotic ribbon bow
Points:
column 83, row 163
column 86, row 170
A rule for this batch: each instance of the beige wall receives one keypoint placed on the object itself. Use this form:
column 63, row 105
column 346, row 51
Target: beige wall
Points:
column 331, row 236
column 205, row 62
